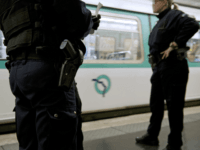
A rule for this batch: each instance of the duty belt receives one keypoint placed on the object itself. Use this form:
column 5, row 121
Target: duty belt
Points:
column 179, row 55
column 154, row 60
column 23, row 55
column 31, row 54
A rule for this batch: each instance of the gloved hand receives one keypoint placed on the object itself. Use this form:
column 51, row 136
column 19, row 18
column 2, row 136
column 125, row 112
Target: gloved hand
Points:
column 96, row 21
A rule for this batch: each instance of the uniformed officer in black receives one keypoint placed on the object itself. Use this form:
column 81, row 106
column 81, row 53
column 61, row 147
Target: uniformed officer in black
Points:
column 170, row 75
column 47, row 117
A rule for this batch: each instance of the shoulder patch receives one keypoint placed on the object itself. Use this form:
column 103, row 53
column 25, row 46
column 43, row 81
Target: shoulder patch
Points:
column 183, row 15
column 189, row 16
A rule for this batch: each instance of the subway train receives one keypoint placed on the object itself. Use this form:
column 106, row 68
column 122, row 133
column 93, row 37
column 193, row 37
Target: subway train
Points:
column 116, row 74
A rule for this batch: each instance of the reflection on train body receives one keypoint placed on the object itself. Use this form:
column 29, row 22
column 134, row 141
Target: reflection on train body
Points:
column 124, row 55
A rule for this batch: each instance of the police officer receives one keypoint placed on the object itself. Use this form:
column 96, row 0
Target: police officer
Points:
column 46, row 115
column 170, row 75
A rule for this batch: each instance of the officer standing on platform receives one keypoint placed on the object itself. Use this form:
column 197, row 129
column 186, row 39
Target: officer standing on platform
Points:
column 46, row 115
column 167, row 44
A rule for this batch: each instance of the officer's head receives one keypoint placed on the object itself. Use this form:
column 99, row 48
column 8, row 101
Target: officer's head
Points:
column 161, row 5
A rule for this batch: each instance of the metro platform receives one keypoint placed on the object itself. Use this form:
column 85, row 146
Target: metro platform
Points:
column 120, row 133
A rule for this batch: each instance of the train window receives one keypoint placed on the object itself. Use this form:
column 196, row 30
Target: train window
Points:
column 118, row 40
column 2, row 47
column 194, row 44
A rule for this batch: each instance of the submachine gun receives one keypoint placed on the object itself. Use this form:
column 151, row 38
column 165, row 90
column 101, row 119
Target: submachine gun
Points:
column 71, row 64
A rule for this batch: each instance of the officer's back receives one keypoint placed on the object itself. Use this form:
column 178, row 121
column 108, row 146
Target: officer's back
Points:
column 45, row 113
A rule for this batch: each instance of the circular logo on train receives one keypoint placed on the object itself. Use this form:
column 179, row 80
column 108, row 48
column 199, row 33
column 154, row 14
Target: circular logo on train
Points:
column 102, row 84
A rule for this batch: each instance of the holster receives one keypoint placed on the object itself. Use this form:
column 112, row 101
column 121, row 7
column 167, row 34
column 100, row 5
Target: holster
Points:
column 154, row 60
column 7, row 64
column 71, row 64
column 182, row 53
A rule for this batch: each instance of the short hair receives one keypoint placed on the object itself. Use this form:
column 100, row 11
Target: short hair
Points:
column 170, row 2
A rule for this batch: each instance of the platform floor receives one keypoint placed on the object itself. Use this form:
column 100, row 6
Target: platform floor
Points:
column 120, row 133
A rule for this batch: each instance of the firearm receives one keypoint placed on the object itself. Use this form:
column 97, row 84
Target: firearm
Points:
column 182, row 53
column 73, row 60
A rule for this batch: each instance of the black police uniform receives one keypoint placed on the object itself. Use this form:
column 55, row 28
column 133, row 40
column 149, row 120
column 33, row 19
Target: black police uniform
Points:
column 46, row 115
column 79, row 112
column 170, row 76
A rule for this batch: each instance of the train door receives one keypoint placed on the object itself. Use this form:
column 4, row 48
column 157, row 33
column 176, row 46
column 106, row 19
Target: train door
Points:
column 115, row 70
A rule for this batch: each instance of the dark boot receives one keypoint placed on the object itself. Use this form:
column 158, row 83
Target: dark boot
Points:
column 168, row 147
column 147, row 139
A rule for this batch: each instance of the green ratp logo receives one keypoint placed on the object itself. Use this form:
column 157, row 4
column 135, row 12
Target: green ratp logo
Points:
column 105, row 88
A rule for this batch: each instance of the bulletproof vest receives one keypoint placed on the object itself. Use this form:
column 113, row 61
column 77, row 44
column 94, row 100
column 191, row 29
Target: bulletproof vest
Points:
column 44, row 23
column 23, row 25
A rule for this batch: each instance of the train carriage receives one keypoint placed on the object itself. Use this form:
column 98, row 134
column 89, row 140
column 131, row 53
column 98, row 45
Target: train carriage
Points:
column 116, row 73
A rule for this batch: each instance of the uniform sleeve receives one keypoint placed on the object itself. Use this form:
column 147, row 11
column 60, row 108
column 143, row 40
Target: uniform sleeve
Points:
column 86, row 23
column 76, row 17
column 186, row 27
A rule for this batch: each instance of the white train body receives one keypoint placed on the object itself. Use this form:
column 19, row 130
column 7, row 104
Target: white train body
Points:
column 126, row 82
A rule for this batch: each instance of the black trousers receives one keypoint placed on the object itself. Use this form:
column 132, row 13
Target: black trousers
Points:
column 169, row 81
column 46, row 116
column 79, row 129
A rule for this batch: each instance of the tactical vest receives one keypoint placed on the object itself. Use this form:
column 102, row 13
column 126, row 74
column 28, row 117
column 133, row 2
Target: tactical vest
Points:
column 44, row 23
column 21, row 23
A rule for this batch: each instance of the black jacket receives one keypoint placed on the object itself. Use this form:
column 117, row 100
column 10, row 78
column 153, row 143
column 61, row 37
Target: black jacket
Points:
column 24, row 24
column 73, row 16
column 173, row 25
